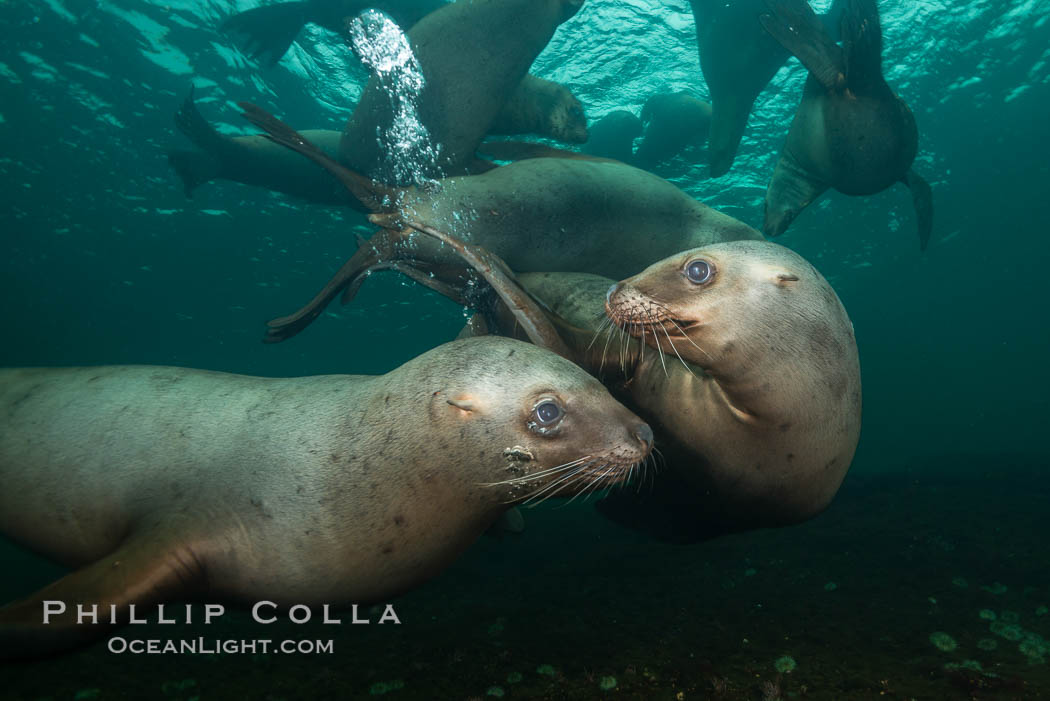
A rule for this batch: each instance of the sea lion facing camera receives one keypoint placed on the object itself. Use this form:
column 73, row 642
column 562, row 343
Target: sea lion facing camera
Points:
column 739, row 354
column 172, row 483
column 673, row 122
column 613, row 136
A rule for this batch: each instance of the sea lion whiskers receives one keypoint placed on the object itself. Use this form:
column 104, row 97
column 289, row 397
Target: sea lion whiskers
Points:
column 521, row 479
column 555, row 486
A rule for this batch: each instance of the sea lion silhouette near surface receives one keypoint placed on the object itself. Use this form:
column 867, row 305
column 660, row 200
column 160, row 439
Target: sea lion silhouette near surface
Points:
column 165, row 484
column 673, row 122
column 266, row 33
column 851, row 132
column 537, row 106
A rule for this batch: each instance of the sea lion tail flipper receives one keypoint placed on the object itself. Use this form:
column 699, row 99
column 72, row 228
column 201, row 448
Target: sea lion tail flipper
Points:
column 373, row 196
column 193, row 167
column 922, row 198
column 378, row 253
column 266, row 33
column 796, row 26
column 861, row 34
column 527, row 312
column 144, row 571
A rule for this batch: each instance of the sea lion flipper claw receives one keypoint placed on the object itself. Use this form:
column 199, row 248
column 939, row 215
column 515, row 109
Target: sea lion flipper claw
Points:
column 526, row 311
column 797, row 27
column 922, row 198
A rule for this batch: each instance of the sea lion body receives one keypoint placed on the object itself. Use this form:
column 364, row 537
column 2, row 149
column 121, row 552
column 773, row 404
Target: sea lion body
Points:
column 673, row 122
column 738, row 59
column 473, row 55
column 544, row 108
column 568, row 214
column 850, row 132
column 613, row 136
column 328, row 489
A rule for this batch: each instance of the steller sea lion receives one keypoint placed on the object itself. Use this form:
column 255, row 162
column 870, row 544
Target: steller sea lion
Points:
column 738, row 59
column 472, row 55
column 739, row 354
column 535, row 214
column 538, row 106
column 165, row 484
column 851, row 132
column 267, row 32
column 542, row 107
column 673, row 122
column 613, row 136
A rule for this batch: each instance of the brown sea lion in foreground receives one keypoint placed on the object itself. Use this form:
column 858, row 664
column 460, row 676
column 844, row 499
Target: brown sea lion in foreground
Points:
column 739, row 354
column 172, row 484
column 579, row 214
column 851, row 132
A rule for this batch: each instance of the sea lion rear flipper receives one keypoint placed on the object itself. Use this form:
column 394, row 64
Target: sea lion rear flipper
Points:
column 796, row 26
column 144, row 572
column 372, row 195
column 526, row 310
column 922, row 198
column 195, row 168
column 861, row 41
column 377, row 253
column 266, row 33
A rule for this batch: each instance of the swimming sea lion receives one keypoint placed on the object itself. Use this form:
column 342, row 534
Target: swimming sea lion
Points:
column 851, row 132
column 172, row 483
column 749, row 375
column 267, row 32
column 472, row 56
column 613, row 136
column 542, row 107
column 536, row 214
column 738, row 59
column 538, row 106
column 673, row 122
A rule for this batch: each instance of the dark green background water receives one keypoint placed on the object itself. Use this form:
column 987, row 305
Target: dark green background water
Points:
column 103, row 260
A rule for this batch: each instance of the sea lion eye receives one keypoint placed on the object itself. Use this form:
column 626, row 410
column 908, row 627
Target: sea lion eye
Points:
column 699, row 271
column 547, row 412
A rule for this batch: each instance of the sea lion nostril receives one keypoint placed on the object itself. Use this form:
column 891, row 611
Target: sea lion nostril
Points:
column 644, row 434
column 611, row 291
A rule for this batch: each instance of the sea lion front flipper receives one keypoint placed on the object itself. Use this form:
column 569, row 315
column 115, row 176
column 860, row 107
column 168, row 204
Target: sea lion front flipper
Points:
column 373, row 196
column 791, row 189
column 510, row 522
column 797, row 27
column 266, row 33
column 922, row 198
column 143, row 572
column 527, row 311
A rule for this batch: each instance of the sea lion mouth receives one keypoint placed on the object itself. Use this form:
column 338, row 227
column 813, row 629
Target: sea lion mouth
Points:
column 586, row 475
column 647, row 317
